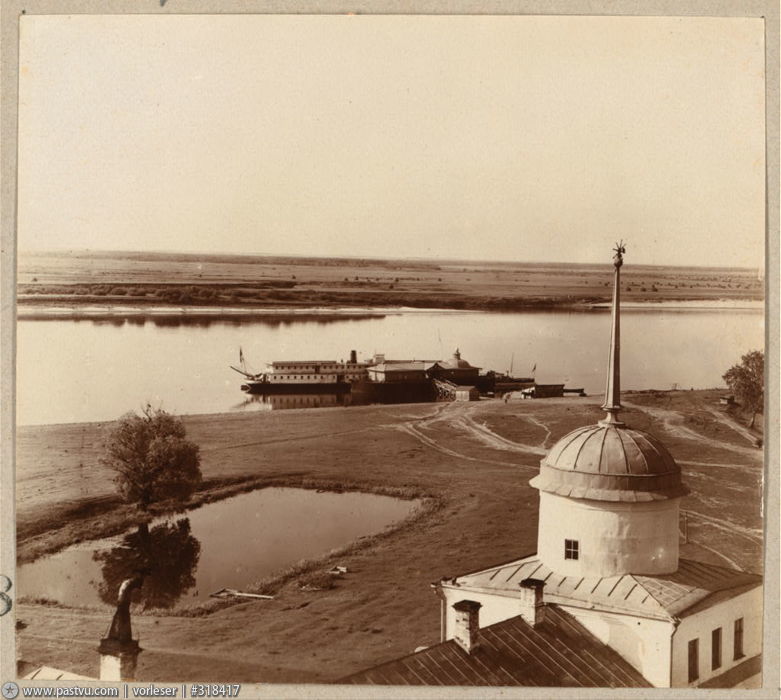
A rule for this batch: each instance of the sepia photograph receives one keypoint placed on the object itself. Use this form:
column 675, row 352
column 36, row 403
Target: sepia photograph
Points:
column 388, row 350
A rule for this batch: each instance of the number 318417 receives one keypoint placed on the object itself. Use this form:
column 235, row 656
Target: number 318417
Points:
column 215, row 690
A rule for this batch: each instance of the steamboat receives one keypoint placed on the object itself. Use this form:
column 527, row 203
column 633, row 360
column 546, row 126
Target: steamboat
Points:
column 304, row 376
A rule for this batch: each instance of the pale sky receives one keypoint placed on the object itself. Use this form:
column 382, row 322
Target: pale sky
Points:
column 518, row 138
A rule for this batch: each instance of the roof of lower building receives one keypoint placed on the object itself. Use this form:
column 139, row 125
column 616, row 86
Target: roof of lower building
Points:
column 693, row 587
column 49, row 673
column 286, row 363
column 402, row 366
column 558, row 651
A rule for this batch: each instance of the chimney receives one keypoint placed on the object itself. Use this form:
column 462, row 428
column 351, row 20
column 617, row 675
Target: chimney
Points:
column 467, row 628
column 118, row 660
column 353, row 356
column 118, row 650
column 532, row 606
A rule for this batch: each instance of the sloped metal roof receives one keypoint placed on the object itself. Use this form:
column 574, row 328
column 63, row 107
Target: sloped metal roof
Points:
column 556, row 652
column 664, row 596
column 417, row 365
column 49, row 673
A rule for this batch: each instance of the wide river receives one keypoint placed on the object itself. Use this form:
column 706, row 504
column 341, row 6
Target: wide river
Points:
column 74, row 371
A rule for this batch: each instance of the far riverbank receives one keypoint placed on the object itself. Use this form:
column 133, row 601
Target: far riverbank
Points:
column 255, row 283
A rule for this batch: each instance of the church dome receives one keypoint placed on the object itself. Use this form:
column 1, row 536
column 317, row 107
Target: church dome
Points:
column 457, row 363
column 610, row 462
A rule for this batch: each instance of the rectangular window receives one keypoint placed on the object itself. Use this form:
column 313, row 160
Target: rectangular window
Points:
column 715, row 649
column 738, row 638
column 694, row 660
column 571, row 549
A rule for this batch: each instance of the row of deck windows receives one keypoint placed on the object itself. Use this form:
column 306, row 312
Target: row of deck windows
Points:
column 694, row 650
column 305, row 367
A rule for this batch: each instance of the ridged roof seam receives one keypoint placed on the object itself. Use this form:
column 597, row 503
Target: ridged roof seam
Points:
column 665, row 456
column 580, row 449
column 642, row 454
column 623, row 448
column 575, row 435
column 602, row 450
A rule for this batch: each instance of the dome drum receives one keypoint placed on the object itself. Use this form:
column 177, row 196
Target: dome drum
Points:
column 612, row 538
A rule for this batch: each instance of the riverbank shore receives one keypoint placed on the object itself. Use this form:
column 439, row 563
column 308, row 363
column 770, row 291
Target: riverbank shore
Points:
column 42, row 309
column 46, row 311
column 474, row 460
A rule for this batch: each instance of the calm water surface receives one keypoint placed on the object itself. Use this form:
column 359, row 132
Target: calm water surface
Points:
column 73, row 371
column 226, row 544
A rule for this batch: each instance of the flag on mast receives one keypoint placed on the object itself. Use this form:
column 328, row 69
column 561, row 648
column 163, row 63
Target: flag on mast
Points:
column 534, row 369
column 241, row 356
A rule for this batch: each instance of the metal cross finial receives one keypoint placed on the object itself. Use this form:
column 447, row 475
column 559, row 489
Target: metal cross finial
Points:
column 619, row 250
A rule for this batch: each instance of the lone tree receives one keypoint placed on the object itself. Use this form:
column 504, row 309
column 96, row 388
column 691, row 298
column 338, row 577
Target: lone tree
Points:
column 152, row 459
column 747, row 382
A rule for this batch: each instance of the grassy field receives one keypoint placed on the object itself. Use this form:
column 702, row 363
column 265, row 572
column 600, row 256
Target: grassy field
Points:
column 143, row 280
column 472, row 462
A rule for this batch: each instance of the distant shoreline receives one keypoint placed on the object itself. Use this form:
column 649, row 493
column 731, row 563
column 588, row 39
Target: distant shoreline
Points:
column 40, row 310
column 690, row 304
column 94, row 312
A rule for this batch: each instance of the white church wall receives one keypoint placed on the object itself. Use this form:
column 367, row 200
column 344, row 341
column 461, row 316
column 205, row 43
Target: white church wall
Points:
column 613, row 538
column 642, row 642
column 700, row 626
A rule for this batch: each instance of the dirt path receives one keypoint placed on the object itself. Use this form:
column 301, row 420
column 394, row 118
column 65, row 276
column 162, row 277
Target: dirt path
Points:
column 733, row 425
column 534, row 421
column 457, row 415
column 733, row 564
column 295, row 438
column 482, row 433
column 749, row 533
column 673, row 421
column 418, row 435
column 720, row 465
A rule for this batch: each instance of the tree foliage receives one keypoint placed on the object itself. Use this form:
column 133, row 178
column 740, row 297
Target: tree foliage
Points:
column 152, row 459
column 747, row 382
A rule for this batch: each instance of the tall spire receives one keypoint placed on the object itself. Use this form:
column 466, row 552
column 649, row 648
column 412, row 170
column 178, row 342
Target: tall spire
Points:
column 613, row 384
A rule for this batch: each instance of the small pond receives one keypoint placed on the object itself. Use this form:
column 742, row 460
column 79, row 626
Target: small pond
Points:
column 225, row 544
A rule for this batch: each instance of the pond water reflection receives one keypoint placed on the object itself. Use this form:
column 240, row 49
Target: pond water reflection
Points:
column 167, row 553
column 225, row 544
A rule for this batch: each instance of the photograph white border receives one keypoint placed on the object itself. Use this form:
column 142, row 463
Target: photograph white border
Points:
column 10, row 13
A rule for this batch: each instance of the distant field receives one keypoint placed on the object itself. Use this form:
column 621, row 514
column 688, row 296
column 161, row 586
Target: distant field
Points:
column 256, row 281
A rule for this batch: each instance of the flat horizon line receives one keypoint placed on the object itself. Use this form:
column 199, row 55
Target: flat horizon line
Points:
column 410, row 259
